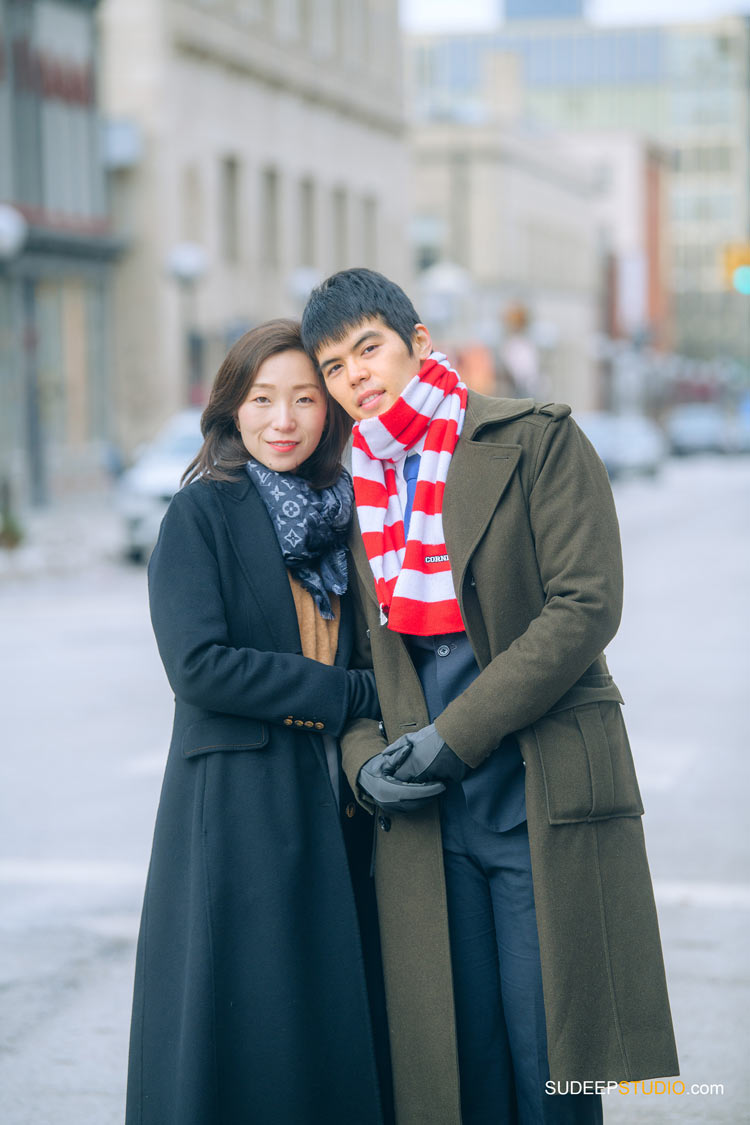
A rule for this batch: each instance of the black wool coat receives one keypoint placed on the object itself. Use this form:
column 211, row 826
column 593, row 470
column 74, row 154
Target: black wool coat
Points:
column 251, row 993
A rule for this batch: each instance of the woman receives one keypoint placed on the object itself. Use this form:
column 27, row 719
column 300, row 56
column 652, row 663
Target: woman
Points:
column 251, row 994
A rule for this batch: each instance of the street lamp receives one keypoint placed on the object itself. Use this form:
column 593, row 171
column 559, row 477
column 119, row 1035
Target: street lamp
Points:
column 445, row 290
column 300, row 284
column 187, row 263
column 13, row 232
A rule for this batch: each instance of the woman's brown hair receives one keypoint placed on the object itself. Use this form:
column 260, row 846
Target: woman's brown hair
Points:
column 223, row 455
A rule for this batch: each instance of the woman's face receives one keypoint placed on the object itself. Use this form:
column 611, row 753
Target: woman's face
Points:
column 282, row 419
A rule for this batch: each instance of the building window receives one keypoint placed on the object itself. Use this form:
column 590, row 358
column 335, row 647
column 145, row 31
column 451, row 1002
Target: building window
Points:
column 229, row 209
column 339, row 232
column 192, row 205
column 288, row 21
column 370, row 231
column 323, row 28
column 249, row 11
column 307, row 223
column 269, row 229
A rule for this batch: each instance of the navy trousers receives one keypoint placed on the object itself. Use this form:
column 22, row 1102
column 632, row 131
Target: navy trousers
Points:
column 497, row 978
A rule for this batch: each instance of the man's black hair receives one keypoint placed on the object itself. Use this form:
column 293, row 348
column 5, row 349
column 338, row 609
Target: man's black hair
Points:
column 348, row 298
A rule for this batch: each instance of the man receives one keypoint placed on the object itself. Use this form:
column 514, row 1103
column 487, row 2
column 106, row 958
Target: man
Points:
column 488, row 564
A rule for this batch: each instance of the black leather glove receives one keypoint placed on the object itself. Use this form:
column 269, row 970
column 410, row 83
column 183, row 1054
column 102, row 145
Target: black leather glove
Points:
column 362, row 697
column 422, row 756
column 392, row 794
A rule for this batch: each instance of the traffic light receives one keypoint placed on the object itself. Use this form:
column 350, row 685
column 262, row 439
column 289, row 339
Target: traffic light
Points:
column 736, row 266
column 741, row 280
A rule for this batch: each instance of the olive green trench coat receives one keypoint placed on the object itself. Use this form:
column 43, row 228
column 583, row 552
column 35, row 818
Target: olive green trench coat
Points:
column 533, row 540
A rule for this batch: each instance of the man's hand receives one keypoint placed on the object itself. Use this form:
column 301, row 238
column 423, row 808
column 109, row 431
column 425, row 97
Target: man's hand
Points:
column 422, row 756
column 393, row 794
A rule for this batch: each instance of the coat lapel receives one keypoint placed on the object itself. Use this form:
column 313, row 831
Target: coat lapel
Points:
column 257, row 549
column 477, row 478
column 361, row 561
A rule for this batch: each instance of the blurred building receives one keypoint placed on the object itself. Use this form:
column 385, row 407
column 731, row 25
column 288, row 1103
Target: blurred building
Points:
column 54, row 277
column 629, row 208
column 515, row 217
column 257, row 146
column 683, row 87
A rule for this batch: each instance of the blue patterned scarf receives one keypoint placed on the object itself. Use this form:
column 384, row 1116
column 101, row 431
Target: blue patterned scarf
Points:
column 311, row 527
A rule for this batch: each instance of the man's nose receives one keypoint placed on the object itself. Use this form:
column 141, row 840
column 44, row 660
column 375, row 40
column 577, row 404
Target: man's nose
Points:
column 357, row 369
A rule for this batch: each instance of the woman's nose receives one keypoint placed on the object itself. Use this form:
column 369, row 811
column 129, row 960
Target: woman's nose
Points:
column 284, row 418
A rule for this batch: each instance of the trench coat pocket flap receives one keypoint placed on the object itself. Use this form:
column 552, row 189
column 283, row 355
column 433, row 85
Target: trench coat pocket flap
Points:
column 228, row 732
column 587, row 765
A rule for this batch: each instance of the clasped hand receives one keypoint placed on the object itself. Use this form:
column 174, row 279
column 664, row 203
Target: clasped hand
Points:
column 411, row 771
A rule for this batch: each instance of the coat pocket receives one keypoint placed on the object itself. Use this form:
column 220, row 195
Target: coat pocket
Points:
column 587, row 765
column 225, row 732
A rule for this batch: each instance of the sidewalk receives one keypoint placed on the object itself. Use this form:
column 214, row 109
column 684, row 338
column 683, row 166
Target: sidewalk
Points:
column 67, row 536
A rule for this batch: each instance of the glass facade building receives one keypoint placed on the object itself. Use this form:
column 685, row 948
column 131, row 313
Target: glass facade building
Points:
column 543, row 9
column 685, row 87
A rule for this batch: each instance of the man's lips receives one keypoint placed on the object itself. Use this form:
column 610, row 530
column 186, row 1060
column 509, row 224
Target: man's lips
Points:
column 368, row 398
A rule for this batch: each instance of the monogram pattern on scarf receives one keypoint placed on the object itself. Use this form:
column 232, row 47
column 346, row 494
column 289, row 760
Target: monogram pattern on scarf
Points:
column 311, row 527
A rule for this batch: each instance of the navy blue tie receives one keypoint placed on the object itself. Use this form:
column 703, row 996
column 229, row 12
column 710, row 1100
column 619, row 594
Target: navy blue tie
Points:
column 411, row 469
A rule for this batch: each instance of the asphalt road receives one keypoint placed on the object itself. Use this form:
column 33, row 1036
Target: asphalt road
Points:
column 86, row 712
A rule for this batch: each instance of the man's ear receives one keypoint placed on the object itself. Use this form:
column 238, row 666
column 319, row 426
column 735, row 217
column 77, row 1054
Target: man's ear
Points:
column 422, row 341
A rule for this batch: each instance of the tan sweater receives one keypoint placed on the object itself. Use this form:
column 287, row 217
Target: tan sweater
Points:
column 319, row 637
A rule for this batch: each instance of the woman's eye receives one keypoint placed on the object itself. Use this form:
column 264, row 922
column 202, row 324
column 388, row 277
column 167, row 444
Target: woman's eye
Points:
column 260, row 399
column 305, row 399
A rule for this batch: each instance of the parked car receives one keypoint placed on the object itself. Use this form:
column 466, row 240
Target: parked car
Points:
column 145, row 489
column 698, row 427
column 628, row 444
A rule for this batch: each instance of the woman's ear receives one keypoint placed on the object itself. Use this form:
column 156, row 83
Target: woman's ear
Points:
column 422, row 341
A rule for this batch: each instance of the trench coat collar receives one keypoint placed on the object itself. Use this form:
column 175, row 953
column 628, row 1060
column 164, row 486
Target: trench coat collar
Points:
column 478, row 475
column 255, row 544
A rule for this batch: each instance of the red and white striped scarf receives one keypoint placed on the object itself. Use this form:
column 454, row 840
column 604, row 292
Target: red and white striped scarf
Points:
column 413, row 580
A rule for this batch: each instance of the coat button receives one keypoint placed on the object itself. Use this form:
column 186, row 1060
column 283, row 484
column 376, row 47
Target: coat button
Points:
column 309, row 723
column 444, row 650
column 298, row 723
column 320, row 726
column 385, row 823
column 288, row 721
column 350, row 810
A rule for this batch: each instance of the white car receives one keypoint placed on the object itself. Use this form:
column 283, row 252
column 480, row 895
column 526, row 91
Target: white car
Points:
column 145, row 489
column 699, row 427
column 628, row 444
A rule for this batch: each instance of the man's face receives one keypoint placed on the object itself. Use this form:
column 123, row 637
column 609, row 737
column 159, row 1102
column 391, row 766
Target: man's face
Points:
column 367, row 370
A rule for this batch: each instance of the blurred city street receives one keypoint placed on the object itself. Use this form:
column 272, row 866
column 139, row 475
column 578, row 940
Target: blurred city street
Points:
column 87, row 711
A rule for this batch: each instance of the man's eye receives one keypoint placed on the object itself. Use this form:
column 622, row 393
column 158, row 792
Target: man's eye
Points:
column 334, row 370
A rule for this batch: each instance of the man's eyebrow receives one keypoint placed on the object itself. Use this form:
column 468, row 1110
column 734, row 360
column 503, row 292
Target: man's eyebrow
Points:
column 357, row 344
